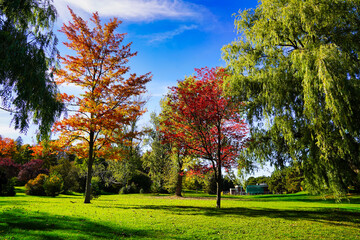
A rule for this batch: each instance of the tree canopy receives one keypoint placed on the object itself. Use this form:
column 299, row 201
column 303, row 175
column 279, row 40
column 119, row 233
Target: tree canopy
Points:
column 27, row 56
column 296, row 65
column 109, row 101
column 201, row 119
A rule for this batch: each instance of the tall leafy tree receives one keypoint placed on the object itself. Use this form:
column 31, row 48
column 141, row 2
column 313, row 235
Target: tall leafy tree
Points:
column 130, row 166
column 206, row 122
column 180, row 156
column 297, row 66
column 157, row 160
column 27, row 56
column 109, row 99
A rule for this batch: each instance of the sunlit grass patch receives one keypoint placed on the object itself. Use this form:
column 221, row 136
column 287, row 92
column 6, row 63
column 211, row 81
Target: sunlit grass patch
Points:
column 191, row 217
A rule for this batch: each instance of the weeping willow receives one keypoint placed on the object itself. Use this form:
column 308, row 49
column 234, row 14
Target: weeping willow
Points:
column 296, row 65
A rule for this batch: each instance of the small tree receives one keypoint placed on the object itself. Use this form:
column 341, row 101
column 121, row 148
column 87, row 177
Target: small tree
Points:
column 108, row 102
column 204, row 121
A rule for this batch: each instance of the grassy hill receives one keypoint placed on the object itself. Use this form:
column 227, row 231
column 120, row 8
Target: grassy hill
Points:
column 294, row 216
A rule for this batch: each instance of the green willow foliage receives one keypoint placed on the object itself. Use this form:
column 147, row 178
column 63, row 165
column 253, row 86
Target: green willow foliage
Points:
column 27, row 55
column 296, row 65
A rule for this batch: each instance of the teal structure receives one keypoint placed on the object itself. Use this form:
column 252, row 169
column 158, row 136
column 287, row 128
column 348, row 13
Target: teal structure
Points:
column 256, row 189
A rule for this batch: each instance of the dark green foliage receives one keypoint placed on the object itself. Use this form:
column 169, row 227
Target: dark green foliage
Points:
column 3, row 180
column 287, row 180
column 130, row 188
column 227, row 183
column 256, row 180
column 250, row 181
column 121, row 173
column 23, row 154
column 95, row 187
column 70, row 174
column 157, row 162
column 294, row 180
column 296, row 66
column 7, row 186
column 277, row 184
column 27, row 54
column 142, row 181
column 210, row 184
column 123, row 190
column 8, row 172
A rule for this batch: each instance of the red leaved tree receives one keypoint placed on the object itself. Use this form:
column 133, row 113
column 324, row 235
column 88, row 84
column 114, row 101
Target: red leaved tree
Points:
column 200, row 118
column 109, row 101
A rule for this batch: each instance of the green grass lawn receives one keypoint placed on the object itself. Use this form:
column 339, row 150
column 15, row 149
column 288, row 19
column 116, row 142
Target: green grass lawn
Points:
column 295, row 216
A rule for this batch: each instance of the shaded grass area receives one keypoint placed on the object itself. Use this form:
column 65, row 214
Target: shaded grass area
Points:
column 39, row 225
column 296, row 216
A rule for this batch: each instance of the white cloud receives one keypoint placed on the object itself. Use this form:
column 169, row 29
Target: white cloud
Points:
column 135, row 10
column 7, row 129
column 161, row 37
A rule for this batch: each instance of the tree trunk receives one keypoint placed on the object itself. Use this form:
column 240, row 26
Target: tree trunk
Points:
column 218, row 166
column 178, row 189
column 179, row 178
column 89, row 173
column 218, row 186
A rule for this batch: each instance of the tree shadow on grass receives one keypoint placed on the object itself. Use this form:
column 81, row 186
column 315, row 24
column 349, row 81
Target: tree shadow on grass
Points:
column 303, row 198
column 37, row 225
column 330, row 216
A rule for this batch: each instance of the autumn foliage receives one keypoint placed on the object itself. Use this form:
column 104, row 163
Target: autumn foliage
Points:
column 108, row 103
column 200, row 118
column 7, row 147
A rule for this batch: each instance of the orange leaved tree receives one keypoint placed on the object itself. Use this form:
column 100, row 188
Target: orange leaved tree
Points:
column 7, row 147
column 108, row 102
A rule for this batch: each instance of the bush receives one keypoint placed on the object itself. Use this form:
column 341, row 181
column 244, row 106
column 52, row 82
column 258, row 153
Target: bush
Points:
column 70, row 174
column 8, row 170
column 31, row 169
column 53, row 185
column 123, row 190
column 36, row 186
column 7, row 186
column 141, row 191
column 9, row 167
column 141, row 180
column 130, row 188
column 95, row 187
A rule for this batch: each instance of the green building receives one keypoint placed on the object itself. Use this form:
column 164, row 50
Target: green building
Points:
column 257, row 189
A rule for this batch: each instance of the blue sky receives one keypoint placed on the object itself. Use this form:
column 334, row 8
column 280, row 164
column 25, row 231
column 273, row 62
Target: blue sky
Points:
column 172, row 37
